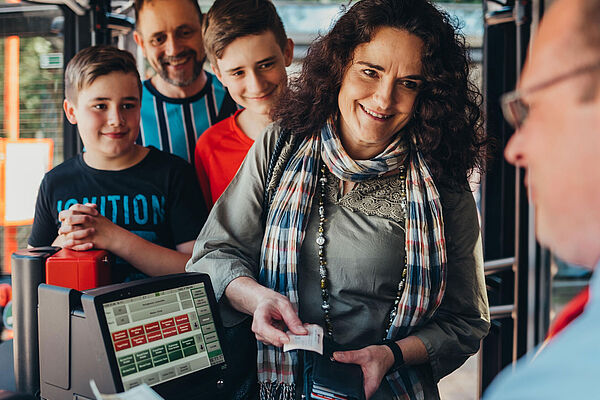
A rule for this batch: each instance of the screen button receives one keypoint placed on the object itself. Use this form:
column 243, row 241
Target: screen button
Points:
column 125, row 361
column 167, row 374
column 151, row 379
column 142, row 356
column 128, row 370
column 144, row 365
column 122, row 345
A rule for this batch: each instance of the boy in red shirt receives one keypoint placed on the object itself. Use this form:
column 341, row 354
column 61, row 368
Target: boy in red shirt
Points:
column 248, row 50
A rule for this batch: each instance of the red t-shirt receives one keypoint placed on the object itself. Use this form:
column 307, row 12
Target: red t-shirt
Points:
column 220, row 151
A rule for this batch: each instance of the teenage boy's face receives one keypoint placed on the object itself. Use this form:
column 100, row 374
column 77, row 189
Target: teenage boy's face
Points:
column 107, row 114
column 169, row 33
column 253, row 69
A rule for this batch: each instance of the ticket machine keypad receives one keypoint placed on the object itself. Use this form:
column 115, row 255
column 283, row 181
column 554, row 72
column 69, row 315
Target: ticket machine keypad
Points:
column 164, row 335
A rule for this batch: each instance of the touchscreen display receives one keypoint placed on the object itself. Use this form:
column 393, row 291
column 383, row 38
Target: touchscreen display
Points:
column 159, row 336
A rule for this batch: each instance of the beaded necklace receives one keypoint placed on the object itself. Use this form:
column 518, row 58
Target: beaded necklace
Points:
column 321, row 241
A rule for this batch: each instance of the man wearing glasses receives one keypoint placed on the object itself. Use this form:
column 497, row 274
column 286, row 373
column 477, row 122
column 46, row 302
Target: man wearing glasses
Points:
column 556, row 113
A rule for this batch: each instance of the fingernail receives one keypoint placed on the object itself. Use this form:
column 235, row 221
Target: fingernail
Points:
column 338, row 356
column 284, row 339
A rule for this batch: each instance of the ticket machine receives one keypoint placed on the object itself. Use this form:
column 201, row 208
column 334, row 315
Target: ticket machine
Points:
column 53, row 265
column 162, row 331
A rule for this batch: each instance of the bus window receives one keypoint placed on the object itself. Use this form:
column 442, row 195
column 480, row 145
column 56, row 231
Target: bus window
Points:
column 31, row 89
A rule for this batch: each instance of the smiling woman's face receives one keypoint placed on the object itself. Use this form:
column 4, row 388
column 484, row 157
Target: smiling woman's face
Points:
column 378, row 91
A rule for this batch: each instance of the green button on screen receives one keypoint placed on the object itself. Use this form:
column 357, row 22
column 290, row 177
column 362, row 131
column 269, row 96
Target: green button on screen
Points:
column 128, row 370
column 144, row 365
column 126, row 360
column 158, row 351
column 142, row 356
column 175, row 355
column 188, row 351
column 173, row 346
column 188, row 342
column 160, row 360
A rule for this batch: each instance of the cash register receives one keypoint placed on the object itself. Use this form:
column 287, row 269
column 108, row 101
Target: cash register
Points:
column 164, row 332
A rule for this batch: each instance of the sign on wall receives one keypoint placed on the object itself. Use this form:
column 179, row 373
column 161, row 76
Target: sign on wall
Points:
column 23, row 163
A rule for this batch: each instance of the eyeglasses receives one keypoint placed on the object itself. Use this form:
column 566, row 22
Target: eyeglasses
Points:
column 516, row 110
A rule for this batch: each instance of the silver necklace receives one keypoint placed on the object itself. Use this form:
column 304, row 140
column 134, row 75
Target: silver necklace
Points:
column 321, row 241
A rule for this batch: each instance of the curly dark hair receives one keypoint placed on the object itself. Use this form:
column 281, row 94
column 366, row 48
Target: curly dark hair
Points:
column 447, row 115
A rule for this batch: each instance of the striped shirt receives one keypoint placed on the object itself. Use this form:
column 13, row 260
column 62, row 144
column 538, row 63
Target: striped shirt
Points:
column 174, row 125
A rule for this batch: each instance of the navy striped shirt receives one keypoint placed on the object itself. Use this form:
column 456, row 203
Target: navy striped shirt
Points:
column 174, row 125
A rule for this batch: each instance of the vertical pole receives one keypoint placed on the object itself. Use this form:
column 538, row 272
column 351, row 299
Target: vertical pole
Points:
column 11, row 84
column 11, row 87
column 10, row 246
column 11, row 125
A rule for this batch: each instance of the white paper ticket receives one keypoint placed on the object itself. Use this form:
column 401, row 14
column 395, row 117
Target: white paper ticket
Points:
column 312, row 342
column 141, row 392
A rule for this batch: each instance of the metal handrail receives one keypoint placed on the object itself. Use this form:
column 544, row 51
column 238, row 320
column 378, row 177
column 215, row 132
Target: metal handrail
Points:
column 495, row 266
column 503, row 311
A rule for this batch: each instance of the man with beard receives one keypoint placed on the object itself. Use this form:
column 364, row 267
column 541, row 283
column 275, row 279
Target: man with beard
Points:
column 181, row 100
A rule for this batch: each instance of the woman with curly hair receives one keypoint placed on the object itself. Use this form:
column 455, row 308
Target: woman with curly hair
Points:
column 354, row 212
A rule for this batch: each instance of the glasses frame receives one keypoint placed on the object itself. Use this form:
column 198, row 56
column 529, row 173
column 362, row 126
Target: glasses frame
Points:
column 512, row 102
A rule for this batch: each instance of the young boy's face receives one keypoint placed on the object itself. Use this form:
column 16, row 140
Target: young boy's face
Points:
column 253, row 70
column 107, row 114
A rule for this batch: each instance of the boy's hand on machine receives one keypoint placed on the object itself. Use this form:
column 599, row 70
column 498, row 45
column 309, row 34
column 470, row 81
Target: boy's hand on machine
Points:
column 83, row 228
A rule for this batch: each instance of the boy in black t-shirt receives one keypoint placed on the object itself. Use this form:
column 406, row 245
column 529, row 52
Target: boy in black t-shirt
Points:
column 141, row 204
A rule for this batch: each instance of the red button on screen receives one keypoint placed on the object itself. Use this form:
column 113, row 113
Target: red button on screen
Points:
column 136, row 341
column 154, row 336
column 152, row 327
column 184, row 328
column 137, row 331
column 121, row 335
column 122, row 345
column 182, row 319
column 167, row 323
column 169, row 332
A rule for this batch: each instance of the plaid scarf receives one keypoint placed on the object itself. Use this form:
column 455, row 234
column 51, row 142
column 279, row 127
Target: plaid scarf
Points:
column 285, row 230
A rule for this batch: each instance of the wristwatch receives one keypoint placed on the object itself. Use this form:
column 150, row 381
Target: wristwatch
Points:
column 398, row 357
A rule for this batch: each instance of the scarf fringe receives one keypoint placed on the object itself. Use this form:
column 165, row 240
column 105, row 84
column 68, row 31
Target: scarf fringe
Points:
column 277, row 391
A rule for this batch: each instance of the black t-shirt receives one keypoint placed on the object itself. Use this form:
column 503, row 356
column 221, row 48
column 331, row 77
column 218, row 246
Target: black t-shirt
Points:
column 158, row 199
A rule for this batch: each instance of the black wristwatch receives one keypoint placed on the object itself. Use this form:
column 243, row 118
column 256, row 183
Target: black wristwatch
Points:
column 398, row 357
